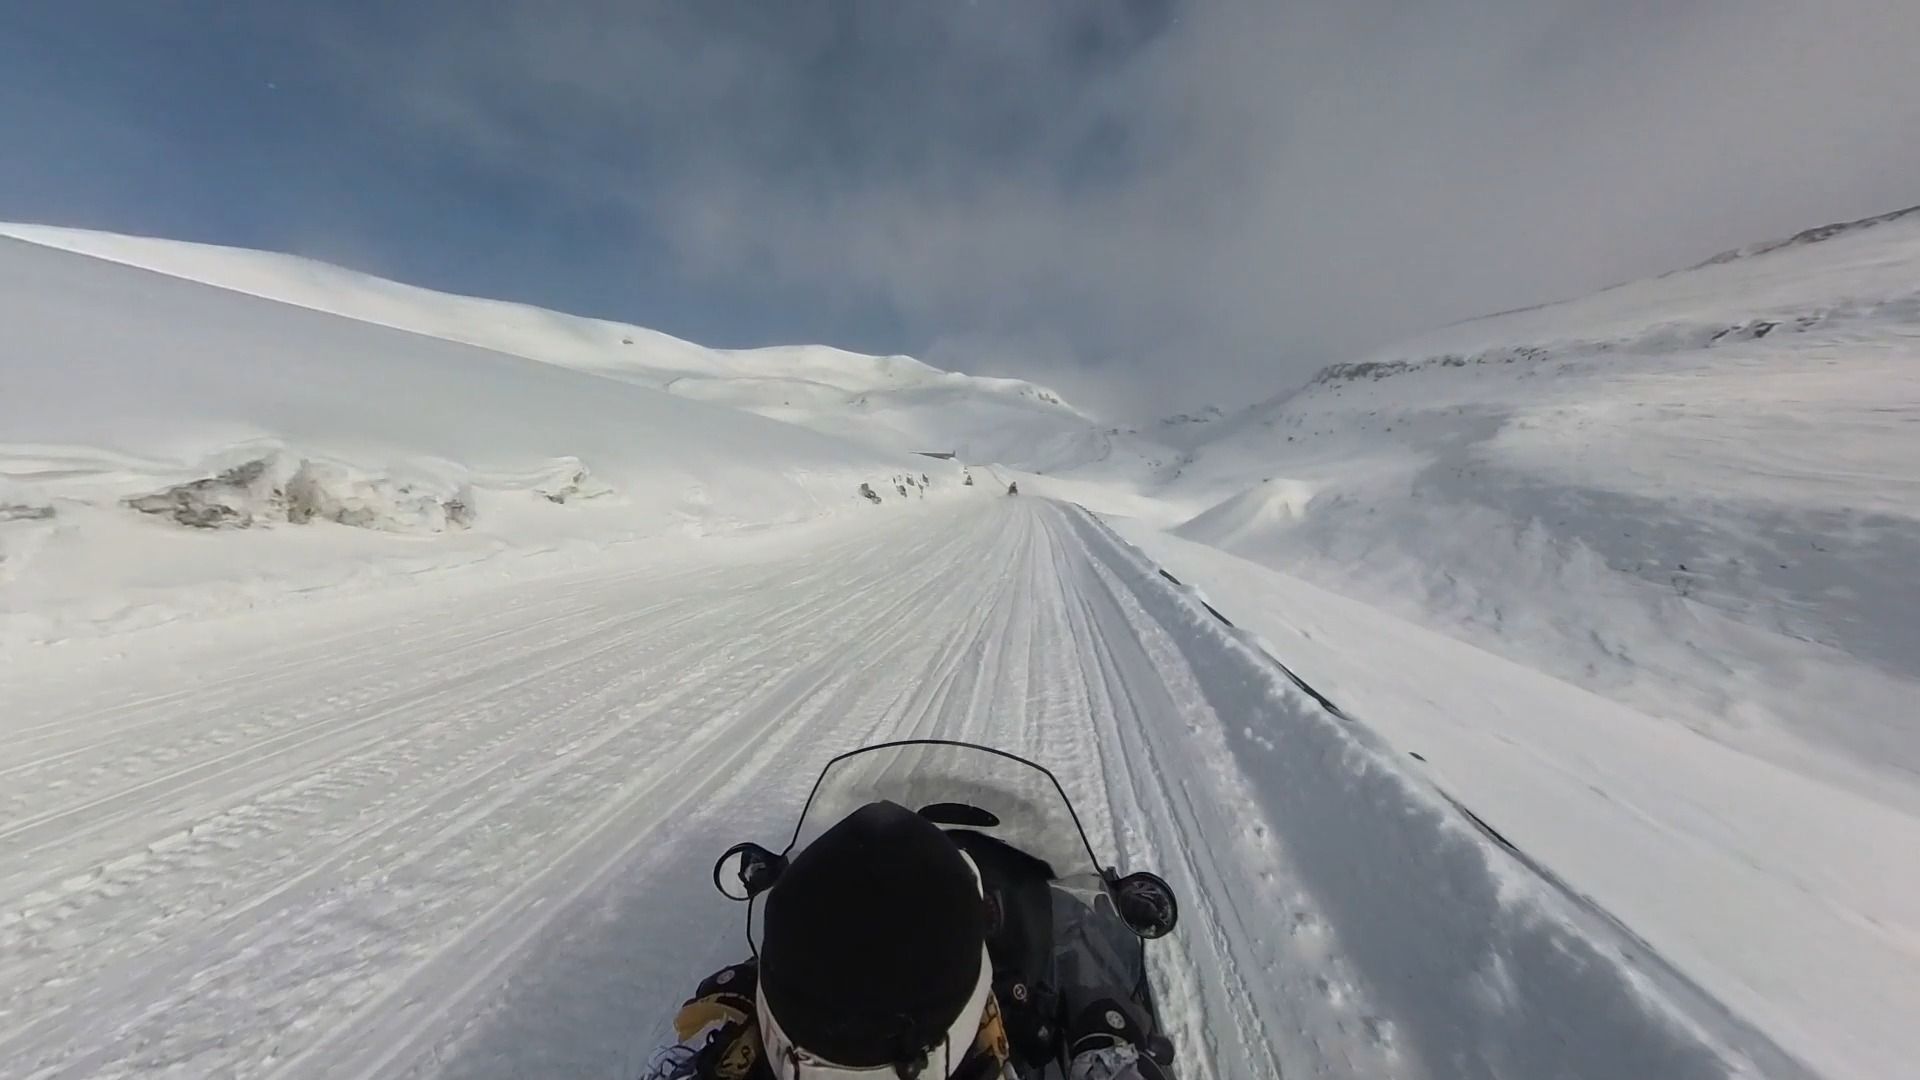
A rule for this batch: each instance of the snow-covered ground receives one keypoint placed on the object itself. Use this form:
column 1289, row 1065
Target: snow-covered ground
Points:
column 465, row 829
column 1627, row 581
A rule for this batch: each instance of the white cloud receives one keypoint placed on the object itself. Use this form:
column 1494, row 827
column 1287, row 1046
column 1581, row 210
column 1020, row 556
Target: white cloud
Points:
column 1195, row 198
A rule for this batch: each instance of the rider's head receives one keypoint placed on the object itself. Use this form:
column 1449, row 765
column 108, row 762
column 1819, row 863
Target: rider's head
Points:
column 873, row 960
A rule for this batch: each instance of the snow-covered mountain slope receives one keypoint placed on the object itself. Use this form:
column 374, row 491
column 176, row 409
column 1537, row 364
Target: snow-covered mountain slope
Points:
column 1697, row 494
column 1185, row 430
column 468, row 831
column 129, row 391
column 1632, row 578
column 894, row 402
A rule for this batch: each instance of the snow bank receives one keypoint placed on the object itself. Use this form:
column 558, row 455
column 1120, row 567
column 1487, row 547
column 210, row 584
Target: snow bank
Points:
column 1699, row 849
column 1485, row 968
column 148, row 420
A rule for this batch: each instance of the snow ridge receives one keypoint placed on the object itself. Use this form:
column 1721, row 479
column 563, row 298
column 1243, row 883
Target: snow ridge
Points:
column 896, row 402
column 1809, row 236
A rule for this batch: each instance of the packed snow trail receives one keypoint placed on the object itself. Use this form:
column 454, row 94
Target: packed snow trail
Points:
column 465, row 828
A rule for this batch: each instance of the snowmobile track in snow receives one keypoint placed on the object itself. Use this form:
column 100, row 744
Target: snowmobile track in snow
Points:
column 464, row 829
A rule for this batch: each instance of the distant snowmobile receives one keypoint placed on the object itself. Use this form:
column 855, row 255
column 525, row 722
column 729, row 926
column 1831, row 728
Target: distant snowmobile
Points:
column 973, row 937
column 1013, row 488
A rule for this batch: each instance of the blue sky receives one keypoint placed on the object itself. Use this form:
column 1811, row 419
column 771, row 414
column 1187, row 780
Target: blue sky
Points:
column 239, row 128
column 1149, row 202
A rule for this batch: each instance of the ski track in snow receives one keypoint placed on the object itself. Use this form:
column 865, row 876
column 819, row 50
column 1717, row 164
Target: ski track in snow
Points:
column 469, row 832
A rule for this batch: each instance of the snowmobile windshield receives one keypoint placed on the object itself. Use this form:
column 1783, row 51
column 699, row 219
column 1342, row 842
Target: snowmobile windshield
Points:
column 957, row 786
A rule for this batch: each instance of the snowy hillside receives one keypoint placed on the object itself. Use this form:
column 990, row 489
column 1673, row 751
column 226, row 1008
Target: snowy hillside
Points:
column 1632, row 577
column 144, row 413
column 1628, row 489
column 893, row 402
column 1188, row 429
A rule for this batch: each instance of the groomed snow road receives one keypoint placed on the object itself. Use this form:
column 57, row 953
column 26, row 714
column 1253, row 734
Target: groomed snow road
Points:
column 464, row 828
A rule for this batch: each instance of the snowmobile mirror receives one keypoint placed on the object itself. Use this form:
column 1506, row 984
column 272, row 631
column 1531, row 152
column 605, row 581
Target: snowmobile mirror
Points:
column 1146, row 904
column 754, row 867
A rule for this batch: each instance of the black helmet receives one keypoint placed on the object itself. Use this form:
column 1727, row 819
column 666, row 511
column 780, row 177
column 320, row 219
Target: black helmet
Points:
column 874, row 950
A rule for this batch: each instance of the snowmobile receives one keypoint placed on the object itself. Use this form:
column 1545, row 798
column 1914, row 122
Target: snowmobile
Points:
column 1057, row 920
